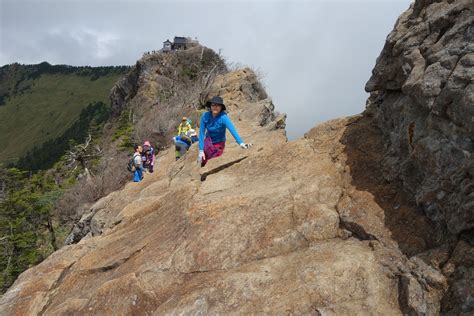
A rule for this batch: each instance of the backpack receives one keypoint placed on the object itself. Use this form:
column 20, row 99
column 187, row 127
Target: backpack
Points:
column 131, row 165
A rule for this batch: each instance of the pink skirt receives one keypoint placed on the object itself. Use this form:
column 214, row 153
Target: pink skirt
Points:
column 212, row 150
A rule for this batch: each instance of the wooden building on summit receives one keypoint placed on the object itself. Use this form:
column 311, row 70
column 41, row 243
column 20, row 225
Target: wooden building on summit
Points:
column 179, row 43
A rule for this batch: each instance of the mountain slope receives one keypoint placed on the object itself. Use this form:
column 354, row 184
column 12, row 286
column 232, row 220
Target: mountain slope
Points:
column 266, row 230
column 40, row 102
column 70, row 174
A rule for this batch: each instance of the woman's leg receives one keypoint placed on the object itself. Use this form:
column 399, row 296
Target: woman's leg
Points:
column 212, row 150
column 176, row 152
column 136, row 176
column 180, row 150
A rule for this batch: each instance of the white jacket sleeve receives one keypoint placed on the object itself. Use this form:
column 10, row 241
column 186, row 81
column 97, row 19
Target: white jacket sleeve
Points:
column 137, row 159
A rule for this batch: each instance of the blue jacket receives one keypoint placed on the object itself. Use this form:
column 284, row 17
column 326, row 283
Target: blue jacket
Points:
column 178, row 140
column 215, row 127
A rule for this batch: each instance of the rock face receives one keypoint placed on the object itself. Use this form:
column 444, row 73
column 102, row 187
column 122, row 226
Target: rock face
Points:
column 125, row 89
column 321, row 225
column 422, row 97
column 157, row 77
column 285, row 227
column 163, row 87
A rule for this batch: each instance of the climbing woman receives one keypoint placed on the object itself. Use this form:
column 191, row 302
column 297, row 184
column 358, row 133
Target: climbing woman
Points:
column 212, row 131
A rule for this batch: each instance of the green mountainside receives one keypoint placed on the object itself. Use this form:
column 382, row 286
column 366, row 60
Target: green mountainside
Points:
column 38, row 103
column 44, row 111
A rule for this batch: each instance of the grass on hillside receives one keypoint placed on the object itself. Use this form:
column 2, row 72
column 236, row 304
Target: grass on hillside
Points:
column 46, row 110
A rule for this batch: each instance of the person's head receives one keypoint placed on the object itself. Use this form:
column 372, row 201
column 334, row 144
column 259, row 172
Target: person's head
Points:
column 216, row 105
column 138, row 148
column 184, row 119
column 147, row 143
column 216, row 108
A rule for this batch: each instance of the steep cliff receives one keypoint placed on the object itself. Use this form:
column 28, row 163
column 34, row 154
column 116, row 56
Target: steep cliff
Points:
column 422, row 98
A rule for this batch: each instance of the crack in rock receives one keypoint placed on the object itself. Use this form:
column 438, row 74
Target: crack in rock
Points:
column 54, row 287
column 357, row 230
column 220, row 168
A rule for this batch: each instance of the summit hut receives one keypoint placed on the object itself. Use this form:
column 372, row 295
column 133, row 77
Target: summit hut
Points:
column 167, row 45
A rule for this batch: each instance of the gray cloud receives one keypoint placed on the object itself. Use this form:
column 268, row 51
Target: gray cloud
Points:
column 316, row 55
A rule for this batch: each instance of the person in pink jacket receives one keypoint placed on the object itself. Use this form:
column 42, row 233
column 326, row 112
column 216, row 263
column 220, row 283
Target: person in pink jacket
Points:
column 148, row 156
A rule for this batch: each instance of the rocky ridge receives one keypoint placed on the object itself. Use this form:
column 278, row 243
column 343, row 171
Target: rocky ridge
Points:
column 283, row 227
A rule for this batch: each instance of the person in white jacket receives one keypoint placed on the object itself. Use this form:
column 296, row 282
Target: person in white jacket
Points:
column 137, row 160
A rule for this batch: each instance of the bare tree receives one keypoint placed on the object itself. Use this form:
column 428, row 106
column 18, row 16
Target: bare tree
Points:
column 81, row 155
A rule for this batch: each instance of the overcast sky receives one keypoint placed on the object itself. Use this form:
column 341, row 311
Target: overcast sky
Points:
column 316, row 56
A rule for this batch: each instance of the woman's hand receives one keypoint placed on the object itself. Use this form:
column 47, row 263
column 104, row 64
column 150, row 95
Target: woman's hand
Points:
column 201, row 156
column 245, row 146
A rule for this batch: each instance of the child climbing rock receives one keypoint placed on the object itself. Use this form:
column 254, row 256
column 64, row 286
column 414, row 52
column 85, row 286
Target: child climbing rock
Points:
column 148, row 156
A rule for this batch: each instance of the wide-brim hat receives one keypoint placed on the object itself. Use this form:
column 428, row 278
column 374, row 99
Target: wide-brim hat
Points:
column 216, row 100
